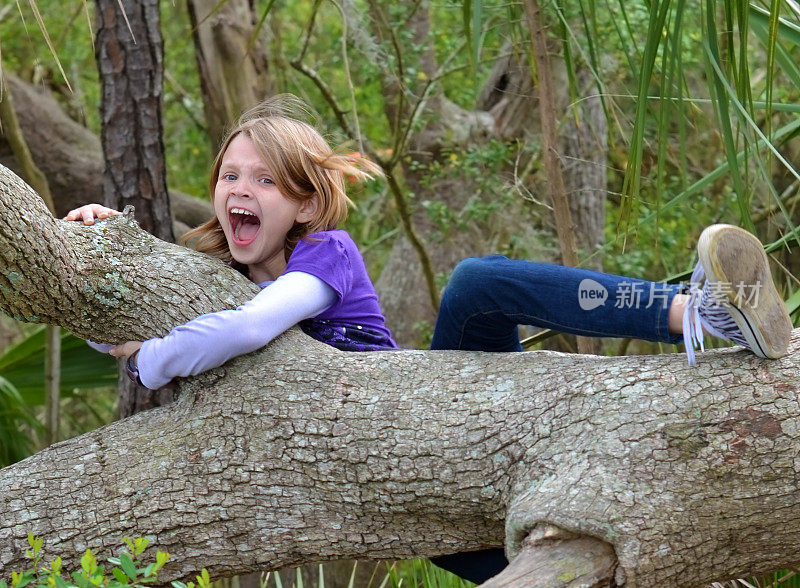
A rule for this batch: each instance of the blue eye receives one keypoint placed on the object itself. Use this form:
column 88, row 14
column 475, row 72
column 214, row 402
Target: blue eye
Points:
column 229, row 176
column 266, row 180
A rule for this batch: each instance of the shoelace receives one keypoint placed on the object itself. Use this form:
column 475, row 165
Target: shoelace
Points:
column 692, row 327
column 714, row 319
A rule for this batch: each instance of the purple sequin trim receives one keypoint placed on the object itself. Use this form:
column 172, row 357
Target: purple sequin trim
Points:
column 346, row 338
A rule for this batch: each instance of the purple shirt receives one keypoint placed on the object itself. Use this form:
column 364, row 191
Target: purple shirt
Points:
column 354, row 322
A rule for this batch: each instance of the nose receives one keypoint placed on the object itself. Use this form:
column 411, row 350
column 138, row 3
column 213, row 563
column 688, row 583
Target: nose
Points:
column 241, row 187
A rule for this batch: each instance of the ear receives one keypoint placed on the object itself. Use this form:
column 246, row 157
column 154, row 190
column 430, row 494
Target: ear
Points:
column 308, row 210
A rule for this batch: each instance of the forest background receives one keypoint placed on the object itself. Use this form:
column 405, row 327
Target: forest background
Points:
column 665, row 117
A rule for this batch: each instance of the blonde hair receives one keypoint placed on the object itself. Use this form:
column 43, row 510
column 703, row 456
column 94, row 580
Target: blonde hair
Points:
column 302, row 165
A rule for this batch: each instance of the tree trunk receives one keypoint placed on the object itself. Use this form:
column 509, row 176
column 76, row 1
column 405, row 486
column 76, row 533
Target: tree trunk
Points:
column 553, row 558
column 557, row 192
column 130, row 61
column 233, row 65
column 300, row 452
column 129, row 53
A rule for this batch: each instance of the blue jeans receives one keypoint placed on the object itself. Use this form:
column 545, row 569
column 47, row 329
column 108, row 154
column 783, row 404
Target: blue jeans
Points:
column 486, row 298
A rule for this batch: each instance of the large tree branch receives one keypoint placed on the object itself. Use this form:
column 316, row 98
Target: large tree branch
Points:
column 302, row 453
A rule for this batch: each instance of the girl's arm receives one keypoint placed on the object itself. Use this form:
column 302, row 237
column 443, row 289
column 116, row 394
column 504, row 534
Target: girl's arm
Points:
column 212, row 339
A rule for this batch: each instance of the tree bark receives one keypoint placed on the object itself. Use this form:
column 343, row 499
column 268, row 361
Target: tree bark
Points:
column 129, row 53
column 553, row 558
column 301, row 453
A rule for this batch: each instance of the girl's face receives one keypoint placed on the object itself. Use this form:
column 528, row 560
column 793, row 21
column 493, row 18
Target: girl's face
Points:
column 254, row 215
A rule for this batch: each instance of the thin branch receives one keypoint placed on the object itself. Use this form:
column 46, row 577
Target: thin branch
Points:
column 402, row 139
column 555, row 178
column 398, row 55
column 416, row 242
column 309, row 30
column 327, row 95
column 387, row 166
column 348, row 77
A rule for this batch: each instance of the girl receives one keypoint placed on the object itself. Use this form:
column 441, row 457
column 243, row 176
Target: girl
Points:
column 278, row 195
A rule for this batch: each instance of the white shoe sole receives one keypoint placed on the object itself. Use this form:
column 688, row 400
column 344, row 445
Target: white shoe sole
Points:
column 732, row 256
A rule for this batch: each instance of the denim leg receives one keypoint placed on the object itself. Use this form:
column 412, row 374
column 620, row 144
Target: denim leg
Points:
column 486, row 298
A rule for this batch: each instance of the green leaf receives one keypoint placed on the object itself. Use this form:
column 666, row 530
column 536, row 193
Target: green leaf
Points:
column 89, row 563
column 140, row 544
column 80, row 580
column 793, row 304
column 722, row 100
column 20, row 580
column 177, row 584
column 633, row 174
column 128, row 566
column 119, row 575
column 162, row 557
column 204, row 580
column 16, row 424
column 787, row 30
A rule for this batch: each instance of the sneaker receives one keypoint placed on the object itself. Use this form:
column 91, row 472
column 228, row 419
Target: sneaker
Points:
column 738, row 301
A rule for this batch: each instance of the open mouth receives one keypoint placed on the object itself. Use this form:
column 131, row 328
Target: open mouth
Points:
column 244, row 225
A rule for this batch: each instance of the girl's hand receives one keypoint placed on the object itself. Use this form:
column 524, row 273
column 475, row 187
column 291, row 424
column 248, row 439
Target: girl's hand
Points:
column 125, row 349
column 89, row 212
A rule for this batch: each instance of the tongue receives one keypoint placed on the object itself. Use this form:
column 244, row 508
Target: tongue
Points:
column 248, row 229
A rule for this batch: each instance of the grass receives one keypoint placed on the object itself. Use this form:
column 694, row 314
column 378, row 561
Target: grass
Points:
column 419, row 573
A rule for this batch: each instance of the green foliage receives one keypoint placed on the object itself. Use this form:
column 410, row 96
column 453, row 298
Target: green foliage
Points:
column 16, row 424
column 44, row 29
column 82, row 367
column 793, row 306
column 187, row 148
column 203, row 581
column 780, row 579
column 421, row 572
column 85, row 376
column 127, row 569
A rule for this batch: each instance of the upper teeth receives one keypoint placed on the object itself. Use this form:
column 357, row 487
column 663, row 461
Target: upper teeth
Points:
column 241, row 211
